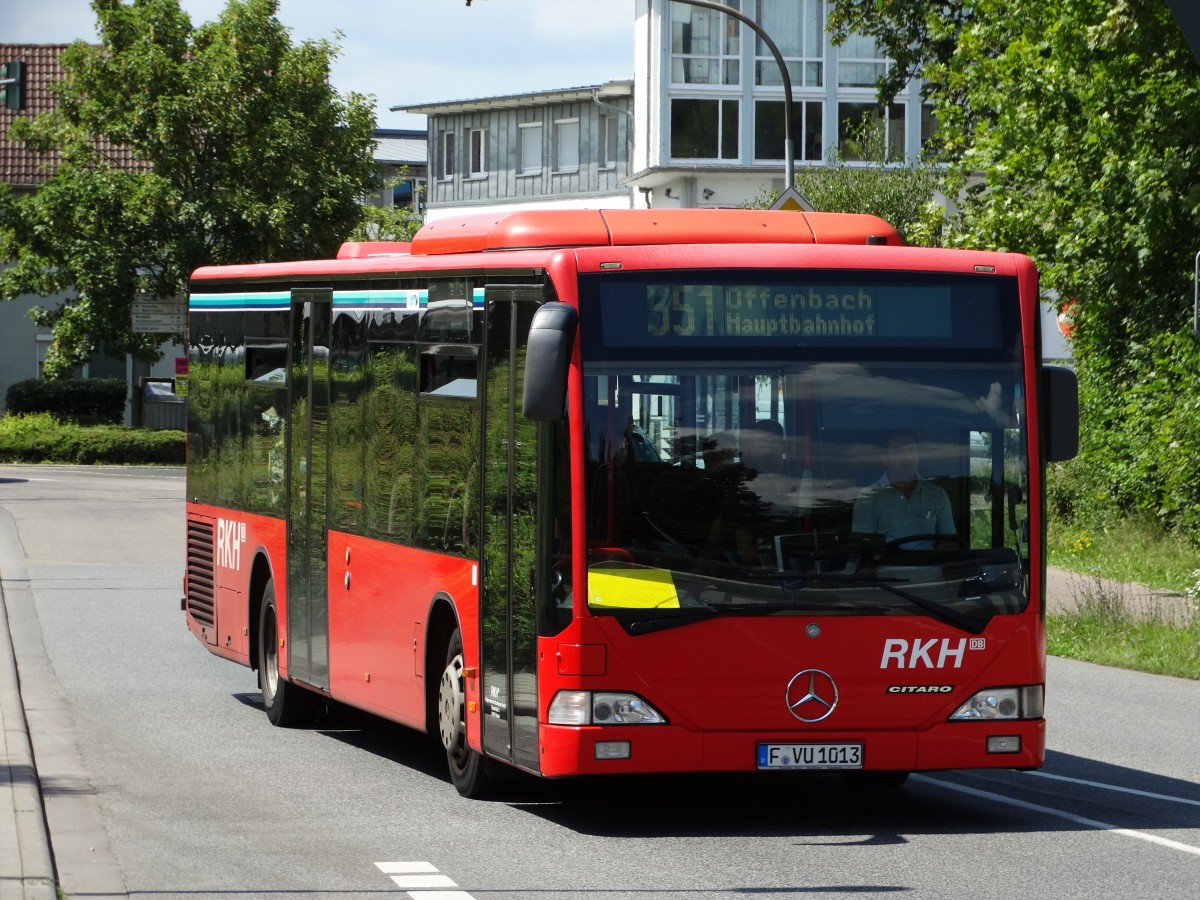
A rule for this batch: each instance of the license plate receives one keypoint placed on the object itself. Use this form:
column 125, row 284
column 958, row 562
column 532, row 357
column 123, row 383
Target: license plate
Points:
column 810, row 756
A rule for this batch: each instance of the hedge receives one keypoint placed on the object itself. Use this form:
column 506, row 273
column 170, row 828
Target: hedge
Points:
column 41, row 438
column 88, row 401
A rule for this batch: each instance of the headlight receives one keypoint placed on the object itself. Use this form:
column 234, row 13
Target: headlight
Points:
column 1002, row 703
column 593, row 708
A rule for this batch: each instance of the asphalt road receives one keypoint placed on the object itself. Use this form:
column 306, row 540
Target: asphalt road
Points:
column 162, row 777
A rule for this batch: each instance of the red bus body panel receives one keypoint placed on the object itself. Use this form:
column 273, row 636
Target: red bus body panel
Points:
column 379, row 599
column 721, row 684
column 238, row 539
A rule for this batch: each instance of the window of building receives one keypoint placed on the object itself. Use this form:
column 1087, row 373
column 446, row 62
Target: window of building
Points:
column 449, row 151
column 704, row 128
column 798, row 29
column 531, row 148
column 42, row 344
column 806, row 130
column 608, row 141
column 929, row 124
column 478, row 167
column 566, row 145
column 854, row 121
column 705, row 45
column 860, row 63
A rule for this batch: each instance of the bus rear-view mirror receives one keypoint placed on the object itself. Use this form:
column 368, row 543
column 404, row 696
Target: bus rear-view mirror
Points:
column 551, row 340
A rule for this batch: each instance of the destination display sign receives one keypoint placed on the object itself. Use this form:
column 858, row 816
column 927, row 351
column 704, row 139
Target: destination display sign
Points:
column 640, row 313
column 795, row 311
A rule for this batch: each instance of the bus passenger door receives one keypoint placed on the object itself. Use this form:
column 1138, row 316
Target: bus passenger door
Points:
column 308, row 467
column 510, row 534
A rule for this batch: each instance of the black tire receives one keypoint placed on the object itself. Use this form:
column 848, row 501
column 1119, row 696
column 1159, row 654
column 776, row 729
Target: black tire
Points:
column 287, row 706
column 467, row 769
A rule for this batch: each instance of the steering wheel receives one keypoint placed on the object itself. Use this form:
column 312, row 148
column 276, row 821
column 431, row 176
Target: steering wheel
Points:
column 915, row 538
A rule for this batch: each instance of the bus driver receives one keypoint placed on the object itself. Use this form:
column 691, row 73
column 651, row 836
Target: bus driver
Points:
column 900, row 504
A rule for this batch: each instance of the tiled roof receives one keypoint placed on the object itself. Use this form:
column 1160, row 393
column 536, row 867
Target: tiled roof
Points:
column 19, row 166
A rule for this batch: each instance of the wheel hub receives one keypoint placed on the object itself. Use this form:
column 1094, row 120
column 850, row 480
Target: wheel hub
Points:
column 451, row 706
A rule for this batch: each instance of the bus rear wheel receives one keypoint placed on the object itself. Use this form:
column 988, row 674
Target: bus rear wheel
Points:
column 286, row 704
column 467, row 769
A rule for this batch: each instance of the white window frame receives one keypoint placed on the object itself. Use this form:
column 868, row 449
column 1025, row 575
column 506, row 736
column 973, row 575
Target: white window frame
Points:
column 803, row 49
column 530, row 136
column 850, row 57
column 720, row 63
column 720, row 124
column 610, row 133
column 894, row 117
column 449, row 156
column 477, row 150
column 562, row 127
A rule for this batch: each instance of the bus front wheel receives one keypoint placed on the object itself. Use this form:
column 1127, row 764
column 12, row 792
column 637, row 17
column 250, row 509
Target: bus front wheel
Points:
column 467, row 769
column 286, row 704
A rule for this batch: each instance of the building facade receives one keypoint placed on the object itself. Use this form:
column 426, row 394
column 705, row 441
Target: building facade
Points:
column 401, row 155
column 565, row 148
column 701, row 124
column 709, row 95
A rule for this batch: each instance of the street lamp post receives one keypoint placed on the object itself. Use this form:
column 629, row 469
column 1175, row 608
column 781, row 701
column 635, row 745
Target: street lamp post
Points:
column 789, row 164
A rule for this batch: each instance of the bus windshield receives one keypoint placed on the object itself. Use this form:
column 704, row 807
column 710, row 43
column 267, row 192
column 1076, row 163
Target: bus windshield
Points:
column 872, row 460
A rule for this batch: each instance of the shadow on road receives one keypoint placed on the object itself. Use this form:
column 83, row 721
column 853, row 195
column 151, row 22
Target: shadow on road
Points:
column 815, row 808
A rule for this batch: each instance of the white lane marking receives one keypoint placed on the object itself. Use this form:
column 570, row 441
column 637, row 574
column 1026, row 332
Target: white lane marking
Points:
column 1115, row 787
column 405, row 868
column 423, row 881
column 422, row 875
column 1070, row 817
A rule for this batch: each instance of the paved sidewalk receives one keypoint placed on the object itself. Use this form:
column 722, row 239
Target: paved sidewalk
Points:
column 26, row 866
column 52, row 834
column 1067, row 591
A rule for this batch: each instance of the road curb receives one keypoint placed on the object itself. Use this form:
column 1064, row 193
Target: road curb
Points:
column 26, row 864
column 72, row 830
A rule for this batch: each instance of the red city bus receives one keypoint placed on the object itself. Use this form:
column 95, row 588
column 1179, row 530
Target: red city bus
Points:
column 589, row 492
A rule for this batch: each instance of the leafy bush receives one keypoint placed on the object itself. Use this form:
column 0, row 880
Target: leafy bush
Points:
column 1139, row 441
column 89, row 401
column 40, row 438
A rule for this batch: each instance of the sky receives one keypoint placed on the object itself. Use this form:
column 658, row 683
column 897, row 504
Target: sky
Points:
column 409, row 52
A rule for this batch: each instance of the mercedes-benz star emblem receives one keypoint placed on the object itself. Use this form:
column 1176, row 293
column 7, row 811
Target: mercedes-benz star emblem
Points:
column 811, row 695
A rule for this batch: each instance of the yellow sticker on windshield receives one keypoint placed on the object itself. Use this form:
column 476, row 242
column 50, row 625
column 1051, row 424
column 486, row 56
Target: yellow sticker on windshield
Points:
column 631, row 588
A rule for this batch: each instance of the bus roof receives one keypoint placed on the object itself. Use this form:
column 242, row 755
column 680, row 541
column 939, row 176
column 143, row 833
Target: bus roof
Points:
column 544, row 229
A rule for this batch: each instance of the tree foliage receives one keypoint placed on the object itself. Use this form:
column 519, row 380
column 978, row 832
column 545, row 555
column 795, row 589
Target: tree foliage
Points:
column 1073, row 129
column 387, row 223
column 244, row 153
column 903, row 194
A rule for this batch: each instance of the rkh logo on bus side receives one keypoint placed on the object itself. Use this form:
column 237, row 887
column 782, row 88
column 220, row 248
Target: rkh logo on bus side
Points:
column 920, row 654
column 230, row 537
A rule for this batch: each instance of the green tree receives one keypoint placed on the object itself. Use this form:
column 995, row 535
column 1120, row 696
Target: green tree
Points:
column 387, row 223
column 902, row 194
column 244, row 152
column 1083, row 119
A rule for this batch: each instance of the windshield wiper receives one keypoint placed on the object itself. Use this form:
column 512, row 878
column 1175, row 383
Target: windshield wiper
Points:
column 675, row 620
column 972, row 623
